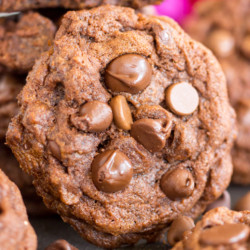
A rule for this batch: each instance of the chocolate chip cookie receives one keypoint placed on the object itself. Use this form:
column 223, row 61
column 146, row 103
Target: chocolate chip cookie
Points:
column 219, row 228
column 13, row 5
column 10, row 86
column 124, row 125
column 16, row 231
column 23, row 40
column 224, row 26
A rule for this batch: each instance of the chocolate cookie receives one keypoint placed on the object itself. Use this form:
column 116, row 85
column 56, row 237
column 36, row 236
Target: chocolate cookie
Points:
column 23, row 40
column 224, row 26
column 11, row 168
column 124, row 125
column 10, row 86
column 16, row 231
column 13, row 5
column 219, row 228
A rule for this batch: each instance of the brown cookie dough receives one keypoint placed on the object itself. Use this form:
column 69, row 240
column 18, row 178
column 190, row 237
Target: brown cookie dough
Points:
column 60, row 245
column 19, row 5
column 224, row 26
column 23, row 40
column 16, row 231
column 102, row 132
column 10, row 86
column 10, row 166
column 219, row 228
column 243, row 203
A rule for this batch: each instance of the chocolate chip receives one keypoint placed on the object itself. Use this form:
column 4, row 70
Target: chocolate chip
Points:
column 54, row 149
column 60, row 245
column 152, row 134
column 221, row 42
column 223, row 201
column 121, row 111
column 178, row 227
column 245, row 46
column 177, row 184
column 182, row 98
column 224, row 234
column 94, row 116
column 243, row 203
column 111, row 171
column 128, row 73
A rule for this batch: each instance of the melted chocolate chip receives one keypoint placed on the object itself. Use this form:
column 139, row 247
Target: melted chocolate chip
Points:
column 221, row 42
column 177, row 184
column 178, row 227
column 182, row 98
column 111, row 171
column 224, row 234
column 95, row 116
column 54, row 149
column 152, row 134
column 121, row 111
column 223, row 201
column 128, row 73
column 60, row 245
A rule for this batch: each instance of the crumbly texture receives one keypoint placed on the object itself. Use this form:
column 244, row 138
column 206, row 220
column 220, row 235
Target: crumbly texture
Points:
column 13, row 5
column 10, row 167
column 23, row 40
column 215, row 217
column 10, row 86
column 50, row 146
column 16, row 231
column 233, row 51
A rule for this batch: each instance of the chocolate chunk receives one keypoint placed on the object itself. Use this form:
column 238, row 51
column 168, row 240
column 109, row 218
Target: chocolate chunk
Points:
column 54, row 149
column 128, row 73
column 178, row 227
column 94, row 116
column 60, row 245
column 224, row 234
column 243, row 203
column 245, row 46
column 152, row 134
column 221, row 42
column 223, row 201
column 177, row 184
column 111, row 171
column 121, row 111
column 182, row 98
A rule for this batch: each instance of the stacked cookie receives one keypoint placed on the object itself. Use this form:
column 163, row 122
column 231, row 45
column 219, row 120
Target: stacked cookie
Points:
column 124, row 123
column 224, row 26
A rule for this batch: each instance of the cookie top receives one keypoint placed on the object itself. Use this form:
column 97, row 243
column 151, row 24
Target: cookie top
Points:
column 219, row 228
column 229, row 39
column 23, row 40
column 13, row 5
column 121, row 123
column 10, row 86
column 14, row 221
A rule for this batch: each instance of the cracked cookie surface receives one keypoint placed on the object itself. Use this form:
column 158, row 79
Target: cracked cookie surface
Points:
column 101, row 130
column 220, row 228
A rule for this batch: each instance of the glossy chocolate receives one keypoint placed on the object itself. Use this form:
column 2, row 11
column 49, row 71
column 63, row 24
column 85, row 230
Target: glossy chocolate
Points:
column 177, row 184
column 111, row 171
column 128, row 73
column 121, row 112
